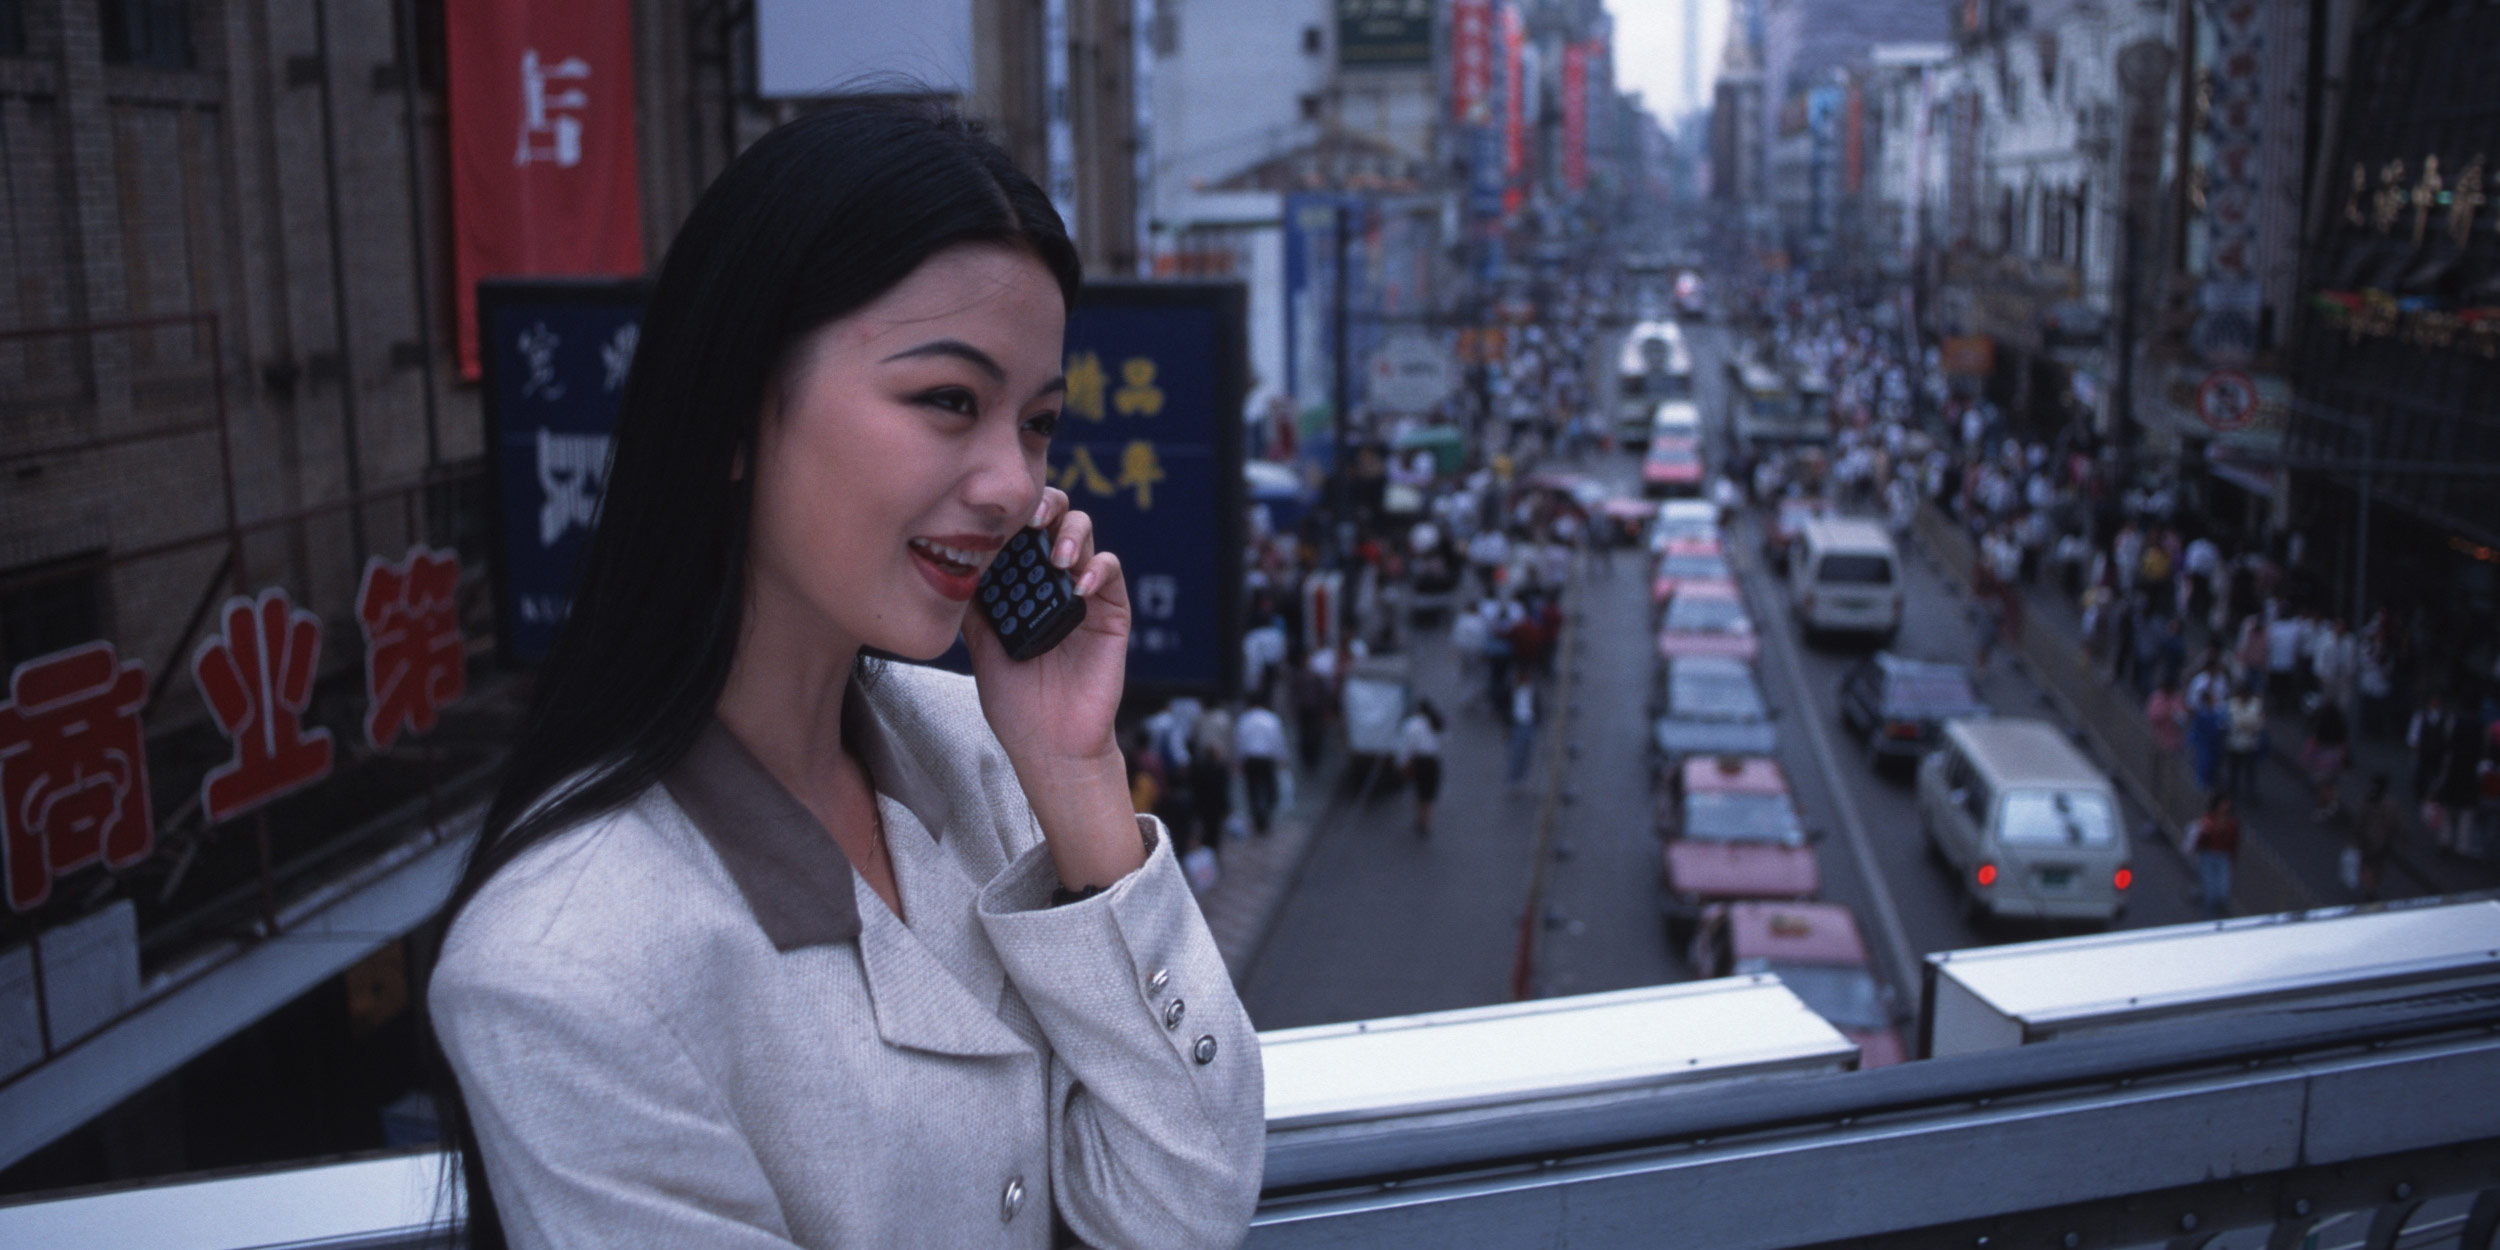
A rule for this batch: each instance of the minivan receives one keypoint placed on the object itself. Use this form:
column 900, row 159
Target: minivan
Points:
column 1845, row 577
column 2029, row 827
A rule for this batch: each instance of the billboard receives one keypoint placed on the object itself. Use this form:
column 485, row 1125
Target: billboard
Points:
column 1149, row 446
column 555, row 355
column 1384, row 33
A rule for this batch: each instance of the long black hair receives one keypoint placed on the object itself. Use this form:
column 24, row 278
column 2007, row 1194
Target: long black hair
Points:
column 817, row 219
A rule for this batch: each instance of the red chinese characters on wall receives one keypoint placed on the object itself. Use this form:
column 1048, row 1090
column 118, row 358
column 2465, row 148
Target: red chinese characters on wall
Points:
column 415, row 659
column 73, row 769
column 256, row 676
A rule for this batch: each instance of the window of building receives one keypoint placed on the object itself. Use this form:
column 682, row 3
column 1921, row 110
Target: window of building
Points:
column 12, row 29
column 1313, row 42
column 1310, row 107
column 50, row 606
column 153, row 33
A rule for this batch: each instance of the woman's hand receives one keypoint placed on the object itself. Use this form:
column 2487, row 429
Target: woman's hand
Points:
column 1054, row 712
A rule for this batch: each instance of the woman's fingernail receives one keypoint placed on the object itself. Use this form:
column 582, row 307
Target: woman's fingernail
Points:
column 1041, row 513
column 1085, row 585
column 1064, row 554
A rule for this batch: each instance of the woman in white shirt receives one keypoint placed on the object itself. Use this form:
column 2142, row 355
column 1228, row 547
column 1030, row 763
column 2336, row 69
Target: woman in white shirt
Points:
column 1419, row 757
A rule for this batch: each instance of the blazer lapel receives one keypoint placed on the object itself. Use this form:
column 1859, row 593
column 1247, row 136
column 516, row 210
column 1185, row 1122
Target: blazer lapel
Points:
column 940, row 993
column 918, row 1003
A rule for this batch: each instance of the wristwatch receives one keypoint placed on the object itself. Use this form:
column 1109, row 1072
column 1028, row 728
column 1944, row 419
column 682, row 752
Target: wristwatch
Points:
column 1062, row 895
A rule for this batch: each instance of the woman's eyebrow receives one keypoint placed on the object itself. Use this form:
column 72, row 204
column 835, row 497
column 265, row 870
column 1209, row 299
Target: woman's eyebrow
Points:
column 958, row 349
column 1055, row 386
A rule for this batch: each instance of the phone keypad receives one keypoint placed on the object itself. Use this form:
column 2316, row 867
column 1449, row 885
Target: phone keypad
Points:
column 1017, row 604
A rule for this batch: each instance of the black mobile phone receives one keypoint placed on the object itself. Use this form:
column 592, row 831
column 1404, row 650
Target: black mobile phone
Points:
column 1031, row 603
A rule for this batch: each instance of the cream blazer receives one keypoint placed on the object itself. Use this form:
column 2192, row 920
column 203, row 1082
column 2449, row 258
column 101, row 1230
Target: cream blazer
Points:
column 670, row 1032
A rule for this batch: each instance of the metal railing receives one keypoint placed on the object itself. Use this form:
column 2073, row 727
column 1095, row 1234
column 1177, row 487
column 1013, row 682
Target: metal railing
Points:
column 2364, row 1125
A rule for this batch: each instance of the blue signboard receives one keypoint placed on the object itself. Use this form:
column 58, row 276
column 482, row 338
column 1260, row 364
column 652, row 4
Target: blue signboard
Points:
column 1149, row 445
column 555, row 355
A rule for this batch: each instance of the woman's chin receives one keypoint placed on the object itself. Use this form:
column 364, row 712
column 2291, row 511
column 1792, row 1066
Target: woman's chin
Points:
column 923, row 645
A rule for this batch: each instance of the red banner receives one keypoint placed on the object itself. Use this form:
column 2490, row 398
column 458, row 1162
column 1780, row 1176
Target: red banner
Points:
column 1575, row 117
column 543, row 178
column 1471, row 59
column 1853, row 142
column 1514, row 110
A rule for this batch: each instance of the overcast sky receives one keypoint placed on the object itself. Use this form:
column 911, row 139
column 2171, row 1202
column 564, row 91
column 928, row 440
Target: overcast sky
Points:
column 1649, row 51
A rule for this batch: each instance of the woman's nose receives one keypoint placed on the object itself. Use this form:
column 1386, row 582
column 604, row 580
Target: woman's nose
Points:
column 1001, row 478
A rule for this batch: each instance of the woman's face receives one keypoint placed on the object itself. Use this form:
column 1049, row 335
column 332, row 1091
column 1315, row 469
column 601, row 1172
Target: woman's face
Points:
column 904, row 446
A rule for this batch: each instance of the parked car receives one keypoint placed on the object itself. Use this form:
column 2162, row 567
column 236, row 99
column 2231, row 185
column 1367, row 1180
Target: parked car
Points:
column 1671, row 466
column 1787, row 519
column 1898, row 706
column 1684, row 520
column 1695, row 873
column 1707, row 618
column 1711, row 706
column 1687, row 561
column 1737, row 798
column 2029, row 827
column 1815, row 949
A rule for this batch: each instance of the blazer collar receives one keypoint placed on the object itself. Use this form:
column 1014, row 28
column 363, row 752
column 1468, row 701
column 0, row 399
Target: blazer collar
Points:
column 795, row 879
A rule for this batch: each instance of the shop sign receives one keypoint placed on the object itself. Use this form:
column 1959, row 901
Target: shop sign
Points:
column 73, row 752
column 1968, row 356
column 1150, row 448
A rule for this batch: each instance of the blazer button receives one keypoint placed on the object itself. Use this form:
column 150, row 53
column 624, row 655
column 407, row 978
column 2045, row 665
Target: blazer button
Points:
column 1204, row 1051
column 1012, row 1200
column 1162, row 977
column 1172, row 1013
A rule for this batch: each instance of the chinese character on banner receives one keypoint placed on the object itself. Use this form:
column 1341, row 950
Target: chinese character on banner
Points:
column 550, row 132
column 73, row 768
column 1082, row 469
column 1158, row 594
column 1140, row 469
column 1085, row 383
column 1138, row 395
column 415, row 660
column 256, row 676
column 538, row 346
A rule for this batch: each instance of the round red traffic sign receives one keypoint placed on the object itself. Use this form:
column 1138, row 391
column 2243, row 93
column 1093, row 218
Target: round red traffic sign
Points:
column 2227, row 400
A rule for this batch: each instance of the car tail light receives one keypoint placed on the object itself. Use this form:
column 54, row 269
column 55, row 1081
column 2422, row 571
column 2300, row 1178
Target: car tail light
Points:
column 1987, row 874
column 1902, row 729
column 2123, row 878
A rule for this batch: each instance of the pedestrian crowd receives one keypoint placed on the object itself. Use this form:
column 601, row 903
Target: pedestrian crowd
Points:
column 2219, row 639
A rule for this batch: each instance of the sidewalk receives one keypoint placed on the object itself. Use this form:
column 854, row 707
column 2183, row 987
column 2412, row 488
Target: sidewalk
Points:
column 2294, row 860
column 1257, row 872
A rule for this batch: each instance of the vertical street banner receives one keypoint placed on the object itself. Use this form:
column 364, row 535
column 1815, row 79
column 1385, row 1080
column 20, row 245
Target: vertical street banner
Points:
column 2234, row 172
column 556, row 355
column 1149, row 446
column 1514, row 110
column 1471, row 60
column 1575, row 117
column 543, row 165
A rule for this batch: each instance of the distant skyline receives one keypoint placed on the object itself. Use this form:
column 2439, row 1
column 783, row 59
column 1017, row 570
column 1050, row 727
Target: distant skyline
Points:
column 1649, row 52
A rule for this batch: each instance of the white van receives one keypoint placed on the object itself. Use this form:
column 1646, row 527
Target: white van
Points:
column 1844, row 576
column 2027, row 824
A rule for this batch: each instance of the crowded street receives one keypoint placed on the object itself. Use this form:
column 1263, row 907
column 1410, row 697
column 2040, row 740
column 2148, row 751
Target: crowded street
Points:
column 1410, row 924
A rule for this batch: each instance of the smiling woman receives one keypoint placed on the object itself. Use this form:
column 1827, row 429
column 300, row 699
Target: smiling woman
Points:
column 768, row 944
